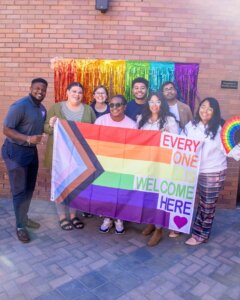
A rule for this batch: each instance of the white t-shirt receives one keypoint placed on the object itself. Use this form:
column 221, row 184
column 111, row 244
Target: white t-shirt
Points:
column 106, row 120
column 169, row 126
column 213, row 157
column 174, row 110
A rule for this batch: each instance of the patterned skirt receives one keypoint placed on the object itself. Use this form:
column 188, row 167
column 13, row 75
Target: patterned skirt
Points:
column 209, row 187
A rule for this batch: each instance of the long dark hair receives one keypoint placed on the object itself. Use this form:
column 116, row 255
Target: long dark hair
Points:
column 162, row 114
column 215, row 122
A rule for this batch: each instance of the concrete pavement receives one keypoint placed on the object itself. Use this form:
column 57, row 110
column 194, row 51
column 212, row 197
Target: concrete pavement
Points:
column 85, row 264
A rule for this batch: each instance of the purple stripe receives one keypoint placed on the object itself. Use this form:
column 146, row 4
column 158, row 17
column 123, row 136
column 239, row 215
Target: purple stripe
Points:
column 134, row 206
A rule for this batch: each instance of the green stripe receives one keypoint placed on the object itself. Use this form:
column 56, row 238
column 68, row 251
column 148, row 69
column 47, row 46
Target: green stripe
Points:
column 115, row 180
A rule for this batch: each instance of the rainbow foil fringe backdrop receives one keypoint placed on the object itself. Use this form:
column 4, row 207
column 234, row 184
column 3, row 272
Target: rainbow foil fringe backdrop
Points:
column 231, row 133
column 117, row 76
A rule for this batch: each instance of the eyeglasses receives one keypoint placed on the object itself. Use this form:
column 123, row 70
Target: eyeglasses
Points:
column 168, row 90
column 103, row 93
column 207, row 109
column 117, row 105
column 151, row 103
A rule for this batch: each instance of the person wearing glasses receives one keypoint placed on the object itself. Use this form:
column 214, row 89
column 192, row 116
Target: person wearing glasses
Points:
column 116, row 118
column 156, row 116
column 99, row 104
column 181, row 111
column 71, row 110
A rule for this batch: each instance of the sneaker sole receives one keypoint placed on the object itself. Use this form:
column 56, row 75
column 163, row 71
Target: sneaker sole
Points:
column 106, row 231
column 119, row 232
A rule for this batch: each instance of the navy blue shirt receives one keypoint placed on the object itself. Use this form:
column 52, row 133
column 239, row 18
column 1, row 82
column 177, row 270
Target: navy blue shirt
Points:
column 97, row 113
column 25, row 117
column 134, row 109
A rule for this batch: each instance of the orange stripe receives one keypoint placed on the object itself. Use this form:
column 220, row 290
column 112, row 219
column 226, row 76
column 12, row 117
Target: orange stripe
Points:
column 147, row 153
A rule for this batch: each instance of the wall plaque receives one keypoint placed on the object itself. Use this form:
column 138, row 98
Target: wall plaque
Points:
column 229, row 84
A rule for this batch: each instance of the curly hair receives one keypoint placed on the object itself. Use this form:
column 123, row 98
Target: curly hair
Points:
column 140, row 80
column 162, row 114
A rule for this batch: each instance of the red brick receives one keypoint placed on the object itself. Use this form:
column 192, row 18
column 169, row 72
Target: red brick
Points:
column 33, row 33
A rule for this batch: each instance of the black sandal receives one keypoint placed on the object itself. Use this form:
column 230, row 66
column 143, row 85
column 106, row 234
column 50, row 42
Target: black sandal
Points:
column 87, row 215
column 77, row 223
column 66, row 224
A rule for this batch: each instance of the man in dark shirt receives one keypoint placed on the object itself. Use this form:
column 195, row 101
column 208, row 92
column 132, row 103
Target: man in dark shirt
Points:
column 23, row 128
column 139, row 90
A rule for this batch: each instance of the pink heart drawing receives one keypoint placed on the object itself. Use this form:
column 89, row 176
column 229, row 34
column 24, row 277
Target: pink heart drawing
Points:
column 180, row 221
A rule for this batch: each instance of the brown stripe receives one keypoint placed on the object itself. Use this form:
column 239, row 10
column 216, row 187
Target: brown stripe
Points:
column 90, row 167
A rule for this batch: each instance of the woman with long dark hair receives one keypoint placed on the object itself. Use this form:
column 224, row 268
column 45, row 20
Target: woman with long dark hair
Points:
column 206, row 126
column 156, row 116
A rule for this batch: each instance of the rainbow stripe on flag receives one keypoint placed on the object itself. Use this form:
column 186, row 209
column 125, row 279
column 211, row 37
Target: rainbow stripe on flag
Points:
column 129, row 174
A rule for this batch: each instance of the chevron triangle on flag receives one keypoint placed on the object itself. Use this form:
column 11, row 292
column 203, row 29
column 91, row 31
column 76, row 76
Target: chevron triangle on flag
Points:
column 74, row 166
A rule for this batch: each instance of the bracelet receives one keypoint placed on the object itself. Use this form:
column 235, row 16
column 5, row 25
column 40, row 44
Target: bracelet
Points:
column 29, row 140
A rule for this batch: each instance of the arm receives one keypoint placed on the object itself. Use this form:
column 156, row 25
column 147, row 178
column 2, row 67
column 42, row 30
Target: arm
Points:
column 93, row 116
column 50, row 120
column 15, row 135
column 14, row 118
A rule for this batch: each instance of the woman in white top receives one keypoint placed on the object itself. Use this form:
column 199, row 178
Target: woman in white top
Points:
column 156, row 116
column 206, row 126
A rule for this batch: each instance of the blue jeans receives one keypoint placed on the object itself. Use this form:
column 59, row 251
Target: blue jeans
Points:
column 22, row 167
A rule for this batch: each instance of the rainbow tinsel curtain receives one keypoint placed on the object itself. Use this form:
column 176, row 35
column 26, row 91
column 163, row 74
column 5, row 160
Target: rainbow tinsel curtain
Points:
column 117, row 76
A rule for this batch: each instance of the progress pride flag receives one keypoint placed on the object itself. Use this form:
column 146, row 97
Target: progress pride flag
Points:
column 135, row 175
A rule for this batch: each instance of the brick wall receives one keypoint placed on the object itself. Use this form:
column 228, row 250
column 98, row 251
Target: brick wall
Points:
column 205, row 32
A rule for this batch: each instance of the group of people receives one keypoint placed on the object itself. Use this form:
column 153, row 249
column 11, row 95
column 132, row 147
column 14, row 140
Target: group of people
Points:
column 27, row 119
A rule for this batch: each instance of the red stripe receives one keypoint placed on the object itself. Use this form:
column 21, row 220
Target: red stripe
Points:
column 120, row 135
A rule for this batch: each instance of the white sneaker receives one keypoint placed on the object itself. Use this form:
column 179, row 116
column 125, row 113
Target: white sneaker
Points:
column 119, row 228
column 106, row 225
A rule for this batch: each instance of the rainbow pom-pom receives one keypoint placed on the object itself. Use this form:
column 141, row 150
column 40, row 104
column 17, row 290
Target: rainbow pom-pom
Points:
column 230, row 134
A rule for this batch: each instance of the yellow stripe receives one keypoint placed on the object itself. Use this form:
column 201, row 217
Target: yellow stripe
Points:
column 142, row 168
